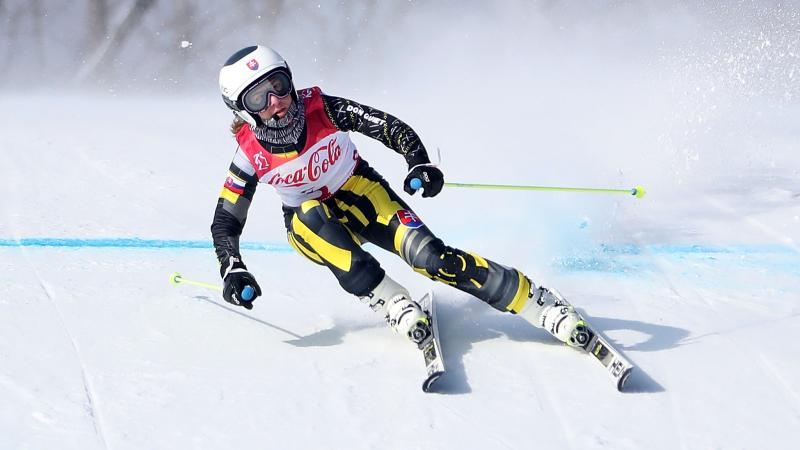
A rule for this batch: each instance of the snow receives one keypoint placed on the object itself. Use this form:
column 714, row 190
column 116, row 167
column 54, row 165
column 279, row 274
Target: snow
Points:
column 698, row 282
column 100, row 351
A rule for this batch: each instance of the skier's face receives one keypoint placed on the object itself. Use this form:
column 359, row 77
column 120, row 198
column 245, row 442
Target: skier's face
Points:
column 277, row 105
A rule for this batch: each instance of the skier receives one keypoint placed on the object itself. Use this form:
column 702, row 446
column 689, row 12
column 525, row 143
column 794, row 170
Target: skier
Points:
column 333, row 201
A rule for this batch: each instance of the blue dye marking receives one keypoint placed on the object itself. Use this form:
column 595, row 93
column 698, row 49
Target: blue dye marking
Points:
column 134, row 243
column 632, row 258
column 619, row 258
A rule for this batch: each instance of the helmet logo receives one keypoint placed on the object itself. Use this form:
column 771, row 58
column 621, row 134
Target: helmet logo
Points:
column 252, row 64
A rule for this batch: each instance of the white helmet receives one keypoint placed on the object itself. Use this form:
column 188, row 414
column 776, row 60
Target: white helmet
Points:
column 246, row 68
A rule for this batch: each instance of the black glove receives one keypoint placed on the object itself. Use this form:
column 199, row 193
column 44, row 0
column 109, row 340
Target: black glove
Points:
column 236, row 277
column 431, row 177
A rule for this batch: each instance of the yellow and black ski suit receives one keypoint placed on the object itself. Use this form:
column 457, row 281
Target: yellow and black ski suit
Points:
column 330, row 229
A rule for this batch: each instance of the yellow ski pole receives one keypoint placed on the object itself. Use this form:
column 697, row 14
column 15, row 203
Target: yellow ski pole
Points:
column 637, row 192
column 175, row 278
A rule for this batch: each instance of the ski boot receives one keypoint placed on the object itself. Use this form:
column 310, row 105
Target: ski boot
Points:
column 403, row 314
column 547, row 309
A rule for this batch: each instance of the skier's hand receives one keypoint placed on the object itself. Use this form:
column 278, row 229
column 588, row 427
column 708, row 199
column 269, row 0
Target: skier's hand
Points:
column 431, row 179
column 239, row 284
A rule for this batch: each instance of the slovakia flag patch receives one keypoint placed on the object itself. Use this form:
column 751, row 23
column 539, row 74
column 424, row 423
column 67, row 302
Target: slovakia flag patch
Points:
column 234, row 184
column 408, row 218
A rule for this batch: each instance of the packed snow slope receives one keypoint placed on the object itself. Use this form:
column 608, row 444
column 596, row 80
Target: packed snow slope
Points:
column 698, row 283
column 698, row 287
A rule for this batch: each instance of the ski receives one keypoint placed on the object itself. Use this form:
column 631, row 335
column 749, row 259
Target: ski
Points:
column 430, row 346
column 617, row 366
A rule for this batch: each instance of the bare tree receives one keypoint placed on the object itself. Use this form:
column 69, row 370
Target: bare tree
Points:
column 98, row 23
column 146, row 37
column 37, row 13
column 102, row 55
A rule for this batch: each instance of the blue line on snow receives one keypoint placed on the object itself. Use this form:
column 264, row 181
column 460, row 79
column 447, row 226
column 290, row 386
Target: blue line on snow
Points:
column 669, row 249
column 618, row 258
column 631, row 258
column 620, row 249
column 133, row 243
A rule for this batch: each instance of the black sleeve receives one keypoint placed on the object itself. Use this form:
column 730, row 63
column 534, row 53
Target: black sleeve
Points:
column 230, row 214
column 348, row 115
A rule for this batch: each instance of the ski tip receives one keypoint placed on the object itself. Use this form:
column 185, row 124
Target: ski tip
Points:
column 623, row 379
column 427, row 385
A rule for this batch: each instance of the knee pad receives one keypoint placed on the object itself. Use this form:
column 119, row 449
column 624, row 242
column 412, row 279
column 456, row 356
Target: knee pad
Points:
column 503, row 288
column 457, row 266
column 451, row 265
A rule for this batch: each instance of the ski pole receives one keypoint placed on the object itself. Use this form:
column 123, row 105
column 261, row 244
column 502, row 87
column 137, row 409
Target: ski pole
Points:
column 637, row 191
column 248, row 291
column 176, row 279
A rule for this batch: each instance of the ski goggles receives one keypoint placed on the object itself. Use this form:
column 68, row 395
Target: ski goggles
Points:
column 256, row 98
